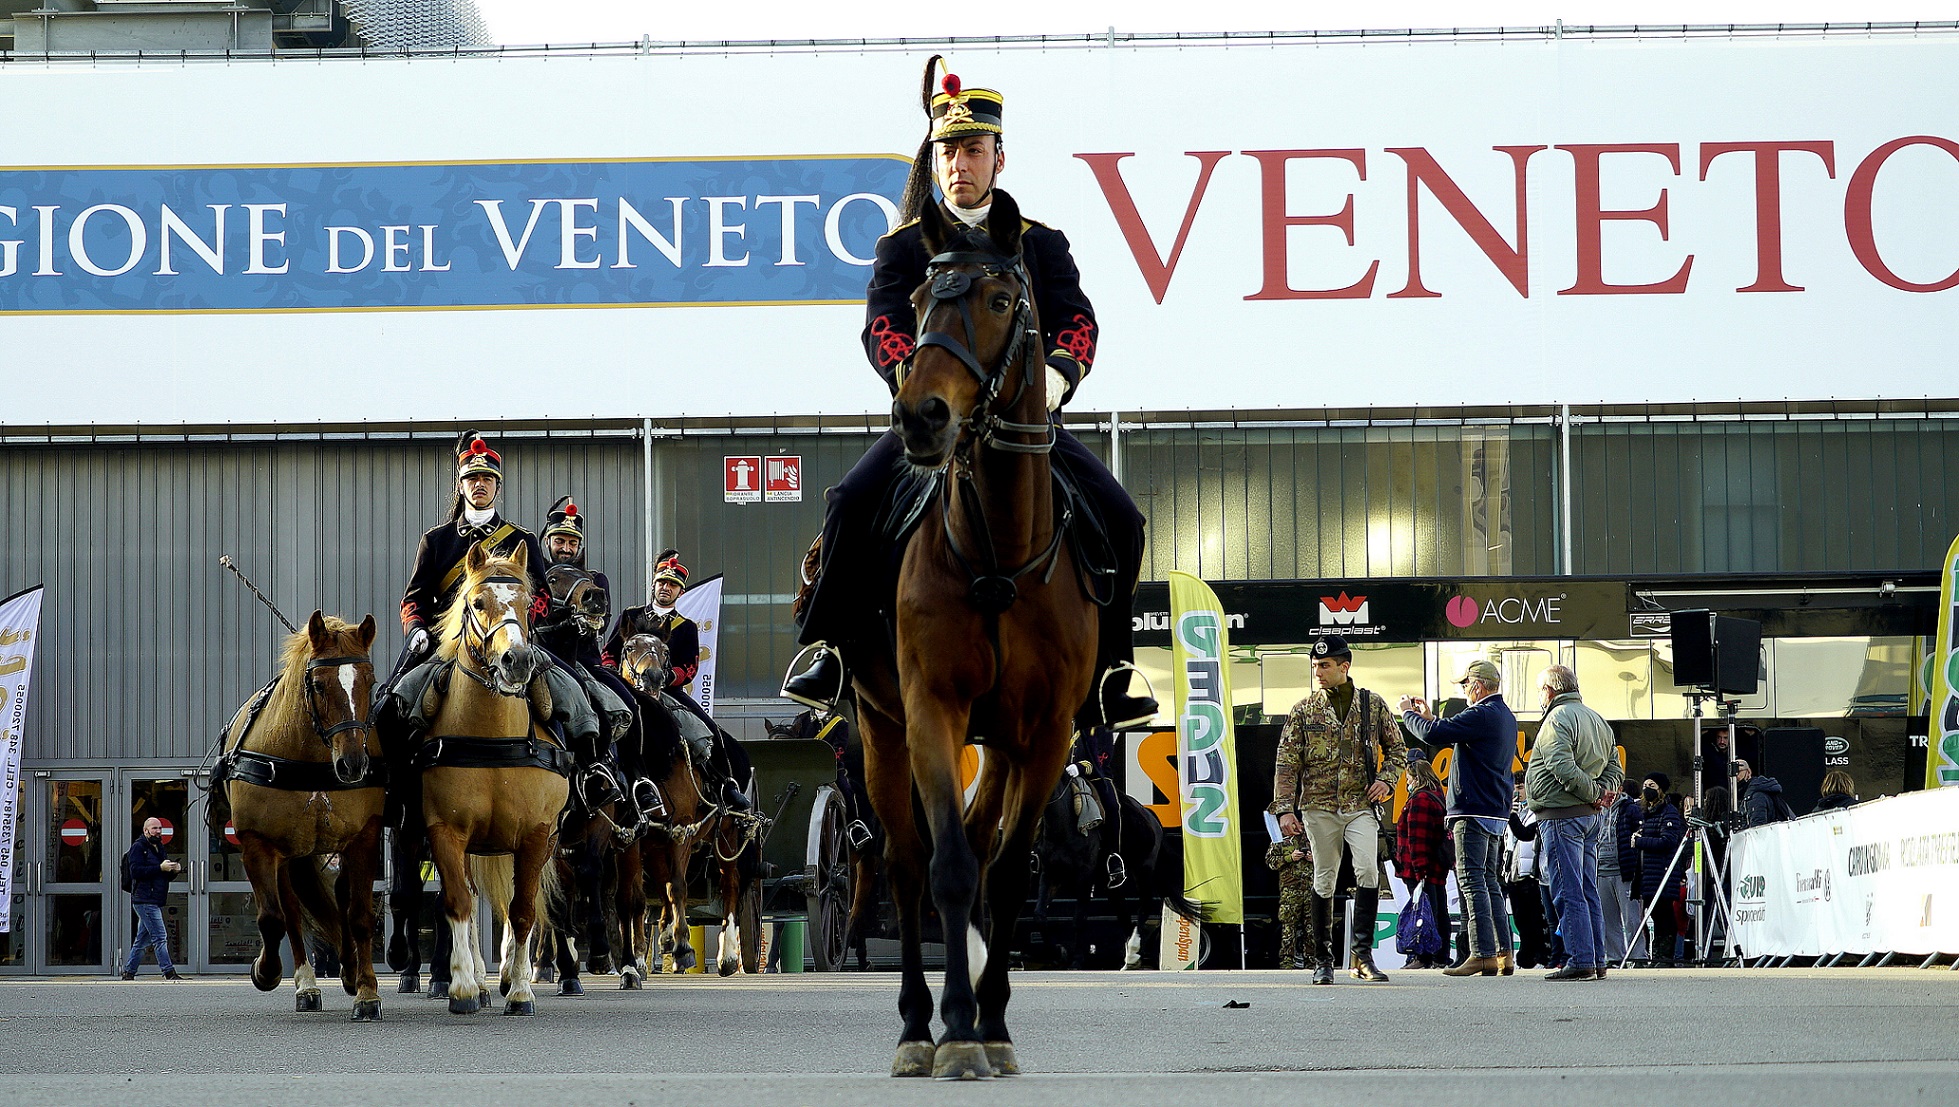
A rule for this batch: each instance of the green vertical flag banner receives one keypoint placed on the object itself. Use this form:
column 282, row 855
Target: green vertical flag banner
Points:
column 1942, row 736
column 1207, row 756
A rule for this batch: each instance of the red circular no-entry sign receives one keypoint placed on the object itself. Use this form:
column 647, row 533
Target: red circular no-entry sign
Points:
column 231, row 834
column 74, row 832
column 169, row 831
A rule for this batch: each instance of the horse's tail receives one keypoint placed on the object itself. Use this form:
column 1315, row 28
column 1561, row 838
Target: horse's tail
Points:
column 318, row 905
column 495, row 879
column 1169, row 880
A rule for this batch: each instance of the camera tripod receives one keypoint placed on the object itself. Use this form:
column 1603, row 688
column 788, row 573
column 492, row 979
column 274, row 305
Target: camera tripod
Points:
column 1703, row 892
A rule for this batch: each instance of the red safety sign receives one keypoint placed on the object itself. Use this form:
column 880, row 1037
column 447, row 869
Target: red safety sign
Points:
column 231, row 834
column 742, row 479
column 782, row 481
column 169, row 831
column 74, row 832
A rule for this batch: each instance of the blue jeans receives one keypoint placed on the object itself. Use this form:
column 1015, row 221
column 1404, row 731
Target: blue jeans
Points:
column 1569, row 848
column 149, row 932
column 1479, row 877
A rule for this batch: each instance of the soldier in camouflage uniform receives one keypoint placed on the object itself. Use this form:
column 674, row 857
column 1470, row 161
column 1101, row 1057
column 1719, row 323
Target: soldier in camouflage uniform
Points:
column 1339, row 758
column 1292, row 859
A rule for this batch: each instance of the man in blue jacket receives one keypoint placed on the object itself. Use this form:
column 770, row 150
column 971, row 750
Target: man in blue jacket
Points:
column 1485, row 739
column 149, row 873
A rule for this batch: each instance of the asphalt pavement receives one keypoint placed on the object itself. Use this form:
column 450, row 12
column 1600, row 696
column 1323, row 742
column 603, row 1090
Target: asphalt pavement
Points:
column 1774, row 1037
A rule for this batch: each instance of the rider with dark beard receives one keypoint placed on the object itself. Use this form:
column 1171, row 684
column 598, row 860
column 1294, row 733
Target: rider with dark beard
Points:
column 560, row 632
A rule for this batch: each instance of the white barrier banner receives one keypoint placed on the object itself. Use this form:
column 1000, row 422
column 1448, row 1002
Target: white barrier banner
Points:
column 1879, row 877
column 20, row 621
column 702, row 603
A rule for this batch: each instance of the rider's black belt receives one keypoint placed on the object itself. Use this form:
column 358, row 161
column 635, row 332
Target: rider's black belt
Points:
column 288, row 775
column 465, row 752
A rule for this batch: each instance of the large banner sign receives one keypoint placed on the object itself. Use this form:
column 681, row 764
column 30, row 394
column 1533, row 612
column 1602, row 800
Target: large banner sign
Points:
column 1207, row 755
column 20, row 623
column 1531, row 221
column 702, row 603
column 1879, row 877
column 1942, row 690
column 424, row 236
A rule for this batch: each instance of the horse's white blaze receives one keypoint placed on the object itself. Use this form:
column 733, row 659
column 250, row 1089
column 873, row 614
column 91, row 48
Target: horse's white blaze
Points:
column 303, row 981
column 975, row 954
column 347, row 682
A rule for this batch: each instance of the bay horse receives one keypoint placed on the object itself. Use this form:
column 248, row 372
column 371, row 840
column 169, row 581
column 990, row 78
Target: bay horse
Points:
column 996, row 640
column 301, row 778
column 1073, row 864
column 693, row 824
column 494, row 779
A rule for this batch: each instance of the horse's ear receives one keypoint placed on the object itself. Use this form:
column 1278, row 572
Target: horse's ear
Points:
column 523, row 559
column 316, row 631
column 367, row 633
column 475, row 559
column 1003, row 223
column 932, row 228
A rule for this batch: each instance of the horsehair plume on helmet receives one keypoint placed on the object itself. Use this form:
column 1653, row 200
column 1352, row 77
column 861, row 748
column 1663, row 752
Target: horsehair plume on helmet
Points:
column 918, row 184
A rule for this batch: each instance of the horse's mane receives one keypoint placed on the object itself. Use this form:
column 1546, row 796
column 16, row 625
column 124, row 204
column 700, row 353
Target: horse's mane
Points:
column 294, row 652
column 449, row 628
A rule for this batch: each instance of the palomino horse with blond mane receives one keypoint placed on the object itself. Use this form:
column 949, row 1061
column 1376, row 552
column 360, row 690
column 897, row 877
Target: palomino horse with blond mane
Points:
column 301, row 774
column 494, row 779
column 995, row 641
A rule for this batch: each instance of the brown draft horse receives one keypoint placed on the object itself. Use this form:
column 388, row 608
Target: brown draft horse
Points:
column 301, row 780
column 504, row 813
column 995, row 641
column 693, row 822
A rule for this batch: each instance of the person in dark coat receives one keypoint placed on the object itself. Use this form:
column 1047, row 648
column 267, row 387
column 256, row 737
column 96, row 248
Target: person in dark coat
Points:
column 853, row 589
column 1422, row 853
column 1839, row 792
column 150, row 873
column 1660, row 832
column 1763, row 802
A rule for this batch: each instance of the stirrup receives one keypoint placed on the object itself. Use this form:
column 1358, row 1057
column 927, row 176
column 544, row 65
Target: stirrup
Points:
column 815, row 697
column 651, row 806
column 858, row 833
column 1118, row 874
column 1101, row 698
column 597, row 780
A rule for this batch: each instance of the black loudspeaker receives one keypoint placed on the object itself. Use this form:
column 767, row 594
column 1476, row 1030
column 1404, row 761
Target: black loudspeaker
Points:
column 1793, row 755
column 1716, row 652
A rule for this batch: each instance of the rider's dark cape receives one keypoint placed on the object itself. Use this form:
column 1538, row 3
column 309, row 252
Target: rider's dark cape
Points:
column 1068, row 326
column 439, row 561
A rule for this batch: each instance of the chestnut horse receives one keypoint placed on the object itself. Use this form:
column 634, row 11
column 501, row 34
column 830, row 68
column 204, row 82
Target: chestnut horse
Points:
column 495, row 779
column 995, row 641
column 301, row 777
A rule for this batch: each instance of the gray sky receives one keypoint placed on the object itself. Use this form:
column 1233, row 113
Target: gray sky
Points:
column 570, row 21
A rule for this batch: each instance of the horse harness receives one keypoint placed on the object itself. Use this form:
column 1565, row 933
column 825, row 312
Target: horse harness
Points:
column 480, row 632
column 995, row 591
column 285, row 773
column 470, row 751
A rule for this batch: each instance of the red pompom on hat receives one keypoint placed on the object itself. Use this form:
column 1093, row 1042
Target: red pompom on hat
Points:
column 950, row 84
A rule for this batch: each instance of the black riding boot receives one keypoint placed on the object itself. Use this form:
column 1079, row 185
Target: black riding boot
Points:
column 821, row 685
column 1319, row 918
column 597, row 782
column 1367, row 905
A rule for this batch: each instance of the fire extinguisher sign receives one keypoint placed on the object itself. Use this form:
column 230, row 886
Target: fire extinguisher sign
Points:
column 782, row 480
column 742, row 479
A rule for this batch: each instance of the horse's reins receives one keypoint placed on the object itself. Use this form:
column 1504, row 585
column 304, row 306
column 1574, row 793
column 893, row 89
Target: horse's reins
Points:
column 996, row 591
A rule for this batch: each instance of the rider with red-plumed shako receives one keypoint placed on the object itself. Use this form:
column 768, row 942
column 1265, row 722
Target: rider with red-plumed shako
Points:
column 852, row 592
column 659, row 618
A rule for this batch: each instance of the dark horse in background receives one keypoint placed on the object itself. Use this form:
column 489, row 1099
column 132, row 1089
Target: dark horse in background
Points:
column 996, row 639
column 1073, row 864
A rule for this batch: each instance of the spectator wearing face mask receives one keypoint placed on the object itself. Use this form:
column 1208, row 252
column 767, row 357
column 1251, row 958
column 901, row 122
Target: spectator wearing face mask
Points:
column 1658, row 838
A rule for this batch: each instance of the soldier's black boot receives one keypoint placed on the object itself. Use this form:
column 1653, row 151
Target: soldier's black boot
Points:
column 821, row 685
column 1319, row 917
column 1367, row 904
column 733, row 798
column 647, row 801
column 598, row 785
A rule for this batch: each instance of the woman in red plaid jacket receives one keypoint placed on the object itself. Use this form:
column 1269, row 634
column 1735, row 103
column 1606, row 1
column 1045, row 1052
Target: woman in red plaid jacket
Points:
column 1421, row 851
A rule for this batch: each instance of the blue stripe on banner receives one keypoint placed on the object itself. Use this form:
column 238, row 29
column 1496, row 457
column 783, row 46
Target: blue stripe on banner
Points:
column 784, row 230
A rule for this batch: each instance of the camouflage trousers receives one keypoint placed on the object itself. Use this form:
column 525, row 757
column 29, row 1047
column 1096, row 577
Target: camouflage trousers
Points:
column 1295, row 893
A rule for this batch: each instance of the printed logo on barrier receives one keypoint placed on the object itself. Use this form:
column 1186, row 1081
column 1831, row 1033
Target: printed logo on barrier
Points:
column 1347, row 616
column 1751, row 899
column 1160, row 620
column 1753, row 886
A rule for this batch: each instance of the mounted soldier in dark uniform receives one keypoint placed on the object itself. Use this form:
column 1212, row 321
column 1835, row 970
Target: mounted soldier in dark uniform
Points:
column 682, row 636
column 850, row 598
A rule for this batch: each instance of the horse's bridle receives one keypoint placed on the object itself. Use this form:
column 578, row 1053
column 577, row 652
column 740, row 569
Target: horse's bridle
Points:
column 477, row 632
column 327, row 733
column 631, row 673
column 948, row 281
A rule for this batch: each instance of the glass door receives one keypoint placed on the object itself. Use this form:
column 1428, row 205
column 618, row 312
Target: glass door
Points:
column 166, row 799
column 80, row 846
column 227, row 940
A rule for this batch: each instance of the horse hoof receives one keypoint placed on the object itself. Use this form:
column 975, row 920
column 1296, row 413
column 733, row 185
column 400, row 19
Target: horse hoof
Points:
column 570, row 986
column 367, row 1010
column 629, row 981
column 464, row 1006
column 503, row 986
column 520, row 1007
column 1000, row 1057
column 729, row 967
column 546, row 975
column 913, row 1059
column 960, row 1061
column 265, row 983
column 397, row 953
column 601, row 966
column 684, row 963
column 438, row 989
column 306, row 1001
column 411, row 983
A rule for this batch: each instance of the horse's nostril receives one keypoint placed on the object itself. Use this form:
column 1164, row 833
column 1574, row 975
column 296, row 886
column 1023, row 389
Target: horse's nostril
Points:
column 935, row 412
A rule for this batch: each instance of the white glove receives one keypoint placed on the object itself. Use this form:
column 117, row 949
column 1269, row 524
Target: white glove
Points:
column 1057, row 388
column 418, row 642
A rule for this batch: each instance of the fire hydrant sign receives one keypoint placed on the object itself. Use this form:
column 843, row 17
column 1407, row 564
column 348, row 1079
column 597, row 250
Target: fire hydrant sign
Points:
column 742, row 479
column 782, row 481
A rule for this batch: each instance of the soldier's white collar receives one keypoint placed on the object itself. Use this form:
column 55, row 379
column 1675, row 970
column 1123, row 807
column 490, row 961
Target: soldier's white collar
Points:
column 479, row 519
column 655, row 608
column 972, row 217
